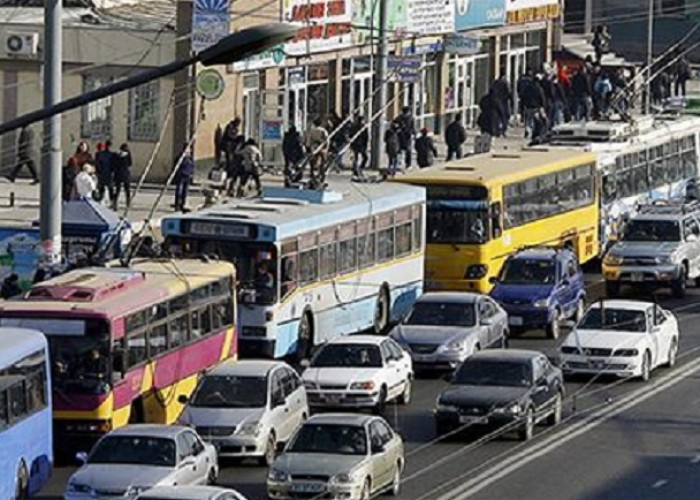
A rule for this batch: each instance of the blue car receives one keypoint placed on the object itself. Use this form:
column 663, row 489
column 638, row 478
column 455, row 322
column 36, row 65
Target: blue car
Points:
column 540, row 287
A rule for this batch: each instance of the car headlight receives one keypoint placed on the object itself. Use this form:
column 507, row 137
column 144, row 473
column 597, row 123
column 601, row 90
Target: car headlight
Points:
column 457, row 345
column 570, row 349
column 443, row 408
column 512, row 409
column 362, row 386
column 277, row 476
column 74, row 487
column 612, row 260
column 626, row 352
column 310, row 386
column 664, row 260
column 541, row 303
column 250, row 429
column 343, row 478
column 135, row 490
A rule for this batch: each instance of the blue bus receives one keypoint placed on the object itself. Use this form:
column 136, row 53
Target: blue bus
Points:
column 26, row 447
column 312, row 265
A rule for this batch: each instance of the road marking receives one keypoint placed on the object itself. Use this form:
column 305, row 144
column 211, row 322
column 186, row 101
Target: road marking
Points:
column 658, row 484
column 566, row 434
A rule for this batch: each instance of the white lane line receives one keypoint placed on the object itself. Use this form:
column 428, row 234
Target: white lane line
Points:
column 658, row 484
column 559, row 438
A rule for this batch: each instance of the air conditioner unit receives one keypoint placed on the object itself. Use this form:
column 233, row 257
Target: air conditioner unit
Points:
column 22, row 44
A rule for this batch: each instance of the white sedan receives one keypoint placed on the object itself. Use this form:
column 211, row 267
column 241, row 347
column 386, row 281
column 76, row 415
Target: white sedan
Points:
column 360, row 371
column 130, row 460
column 621, row 337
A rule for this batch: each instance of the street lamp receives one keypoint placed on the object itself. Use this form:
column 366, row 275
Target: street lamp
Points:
column 235, row 47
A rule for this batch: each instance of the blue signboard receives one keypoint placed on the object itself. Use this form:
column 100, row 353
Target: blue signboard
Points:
column 20, row 254
column 470, row 14
column 404, row 69
column 211, row 22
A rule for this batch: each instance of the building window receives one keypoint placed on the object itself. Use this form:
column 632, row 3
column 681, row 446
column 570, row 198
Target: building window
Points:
column 144, row 112
column 96, row 119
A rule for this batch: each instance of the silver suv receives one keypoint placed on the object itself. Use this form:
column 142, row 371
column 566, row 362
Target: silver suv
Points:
column 660, row 247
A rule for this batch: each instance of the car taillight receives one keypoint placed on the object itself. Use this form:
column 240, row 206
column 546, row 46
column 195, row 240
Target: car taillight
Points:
column 476, row 271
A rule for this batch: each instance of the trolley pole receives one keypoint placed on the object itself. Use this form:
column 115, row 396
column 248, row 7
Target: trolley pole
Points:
column 50, row 202
column 381, row 95
column 650, row 56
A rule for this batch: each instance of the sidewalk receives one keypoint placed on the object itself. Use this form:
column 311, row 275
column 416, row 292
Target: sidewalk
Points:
column 26, row 195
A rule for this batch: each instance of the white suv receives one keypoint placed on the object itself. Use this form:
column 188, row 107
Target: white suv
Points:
column 361, row 371
column 246, row 408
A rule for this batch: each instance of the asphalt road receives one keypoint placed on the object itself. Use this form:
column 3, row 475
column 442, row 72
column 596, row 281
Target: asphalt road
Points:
column 619, row 439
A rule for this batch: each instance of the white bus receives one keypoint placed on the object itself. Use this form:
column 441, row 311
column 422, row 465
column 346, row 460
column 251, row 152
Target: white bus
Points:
column 312, row 265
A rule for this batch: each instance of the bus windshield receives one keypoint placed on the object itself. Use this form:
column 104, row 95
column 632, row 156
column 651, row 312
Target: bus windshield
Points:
column 256, row 265
column 79, row 350
column 457, row 214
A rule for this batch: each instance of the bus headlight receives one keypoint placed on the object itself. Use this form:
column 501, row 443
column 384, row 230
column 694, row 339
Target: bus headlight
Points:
column 476, row 271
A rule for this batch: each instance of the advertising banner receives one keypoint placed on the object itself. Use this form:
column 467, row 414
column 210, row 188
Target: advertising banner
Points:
column 365, row 18
column 211, row 22
column 470, row 14
column 21, row 252
column 430, row 17
column 327, row 25
column 527, row 11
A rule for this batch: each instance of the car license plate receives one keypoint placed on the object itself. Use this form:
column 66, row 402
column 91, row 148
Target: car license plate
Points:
column 308, row 487
column 421, row 357
column 637, row 277
column 472, row 420
column 596, row 364
column 515, row 321
column 333, row 398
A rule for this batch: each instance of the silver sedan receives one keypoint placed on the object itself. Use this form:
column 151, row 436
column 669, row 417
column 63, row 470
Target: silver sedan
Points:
column 444, row 328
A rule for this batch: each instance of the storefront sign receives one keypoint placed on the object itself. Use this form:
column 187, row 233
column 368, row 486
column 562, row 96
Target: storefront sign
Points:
column 211, row 22
column 430, row 17
column 404, row 69
column 462, row 44
column 272, row 130
column 267, row 59
column 428, row 48
column 365, row 19
column 470, row 14
column 20, row 253
column 327, row 25
column 527, row 11
column 210, row 84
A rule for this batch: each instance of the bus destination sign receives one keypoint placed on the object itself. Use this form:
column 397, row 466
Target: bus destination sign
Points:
column 217, row 229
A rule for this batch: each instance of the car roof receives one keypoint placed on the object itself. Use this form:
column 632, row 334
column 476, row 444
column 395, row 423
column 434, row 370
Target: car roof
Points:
column 541, row 253
column 505, row 355
column 150, row 430
column 245, row 367
column 453, row 297
column 340, row 419
column 358, row 339
column 185, row 492
column 632, row 305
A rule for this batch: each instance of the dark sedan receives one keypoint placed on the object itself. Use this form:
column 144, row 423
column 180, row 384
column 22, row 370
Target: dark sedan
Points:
column 502, row 387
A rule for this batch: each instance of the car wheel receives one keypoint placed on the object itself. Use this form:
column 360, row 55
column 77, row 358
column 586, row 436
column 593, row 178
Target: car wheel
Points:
column 646, row 367
column 612, row 289
column 672, row 353
column 22, row 484
column 554, row 327
column 678, row 287
column 366, row 492
column 504, row 340
column 580, row 310
column 405, row 397
column 555, row 417
column 270, row 450
column 381, row 403
column 396, row 483
column 212, row 476
column 528, row 426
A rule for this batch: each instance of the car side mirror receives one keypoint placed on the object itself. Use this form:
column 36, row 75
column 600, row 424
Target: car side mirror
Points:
column 183, row 399
column 305, row 363
column 485, row 322
column 81, row 457
column 493, row 280
column 186, row 462
column 691, row 238
column 656, row 329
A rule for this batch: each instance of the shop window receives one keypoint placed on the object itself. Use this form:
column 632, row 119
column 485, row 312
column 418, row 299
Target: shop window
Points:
column 144, row 114
column 96, row 117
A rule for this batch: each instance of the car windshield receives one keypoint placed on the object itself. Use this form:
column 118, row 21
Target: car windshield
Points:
column 528, row 272
column 348, row 355
column 79, row 350
column 256, row 265
column 652, row 230
column 494, row 373
column 137, row 450
column 331, row 439
column 441, row 314
column 218, row 391
column 621, row 320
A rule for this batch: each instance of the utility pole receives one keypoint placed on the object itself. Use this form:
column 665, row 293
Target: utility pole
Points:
column 650, row 56
column 380, row 97
column 588, row 18
column 50, row 203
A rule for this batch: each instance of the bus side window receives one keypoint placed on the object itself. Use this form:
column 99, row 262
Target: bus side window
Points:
column 289, row 274
column 18, row 402
column 223, row 314
column 3, row 410
column 496, row 219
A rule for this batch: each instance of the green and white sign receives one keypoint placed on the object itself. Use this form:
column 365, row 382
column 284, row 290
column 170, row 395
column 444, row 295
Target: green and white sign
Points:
column 210, row 84
column 265, row 59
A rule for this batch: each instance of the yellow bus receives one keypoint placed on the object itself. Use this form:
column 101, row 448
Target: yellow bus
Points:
column 483, row 208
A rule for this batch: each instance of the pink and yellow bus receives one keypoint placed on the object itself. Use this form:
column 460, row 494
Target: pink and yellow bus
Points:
column 125, row 343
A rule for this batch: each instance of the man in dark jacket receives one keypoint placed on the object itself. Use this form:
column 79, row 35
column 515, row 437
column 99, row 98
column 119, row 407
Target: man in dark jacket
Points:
column 25, row 155
column 503, row 100
column 582, row 90
column 406, row 130
column 426, row 151
column 392, row 144
column 531, row 100
column 183, row 179
column 455, row 137
column 105, row 172
column 122, row 175
column 359, row 136
column 293, row 151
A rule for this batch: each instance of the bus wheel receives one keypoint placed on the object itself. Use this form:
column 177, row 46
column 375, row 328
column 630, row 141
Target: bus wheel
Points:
column 22, row 483
column 382, row 312
column 305, row 337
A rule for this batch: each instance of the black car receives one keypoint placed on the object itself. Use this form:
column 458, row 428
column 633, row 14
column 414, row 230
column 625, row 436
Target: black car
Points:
column 502, row 387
